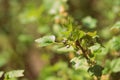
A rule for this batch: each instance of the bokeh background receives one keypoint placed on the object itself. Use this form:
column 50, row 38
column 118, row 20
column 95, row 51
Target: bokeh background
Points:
column 23, row 21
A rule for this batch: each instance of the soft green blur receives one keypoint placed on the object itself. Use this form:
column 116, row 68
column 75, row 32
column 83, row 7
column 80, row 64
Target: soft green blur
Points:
column 23, row 21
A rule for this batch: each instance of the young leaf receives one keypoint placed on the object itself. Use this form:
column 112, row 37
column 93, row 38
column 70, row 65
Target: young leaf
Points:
column 14, row 74
column 92, row 34
column 46, row 40
column 81, row 34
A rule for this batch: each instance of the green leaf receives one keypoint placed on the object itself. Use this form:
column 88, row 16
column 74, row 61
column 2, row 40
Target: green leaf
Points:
column 114, row 43
column 81, row 34
column 115, row 65
column 77, row 34
column 116, row 27
column 96, row 49
column 1, row 73
column 112, row 66
column 89, row 22
column 107, row 67
column 96, row 70
column 46, row 40
column 79, row 63
column 92, row 34
column 14, row 74
column 68, row 30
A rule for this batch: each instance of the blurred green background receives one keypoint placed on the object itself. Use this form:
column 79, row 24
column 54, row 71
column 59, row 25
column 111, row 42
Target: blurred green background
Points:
column 23, row 21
